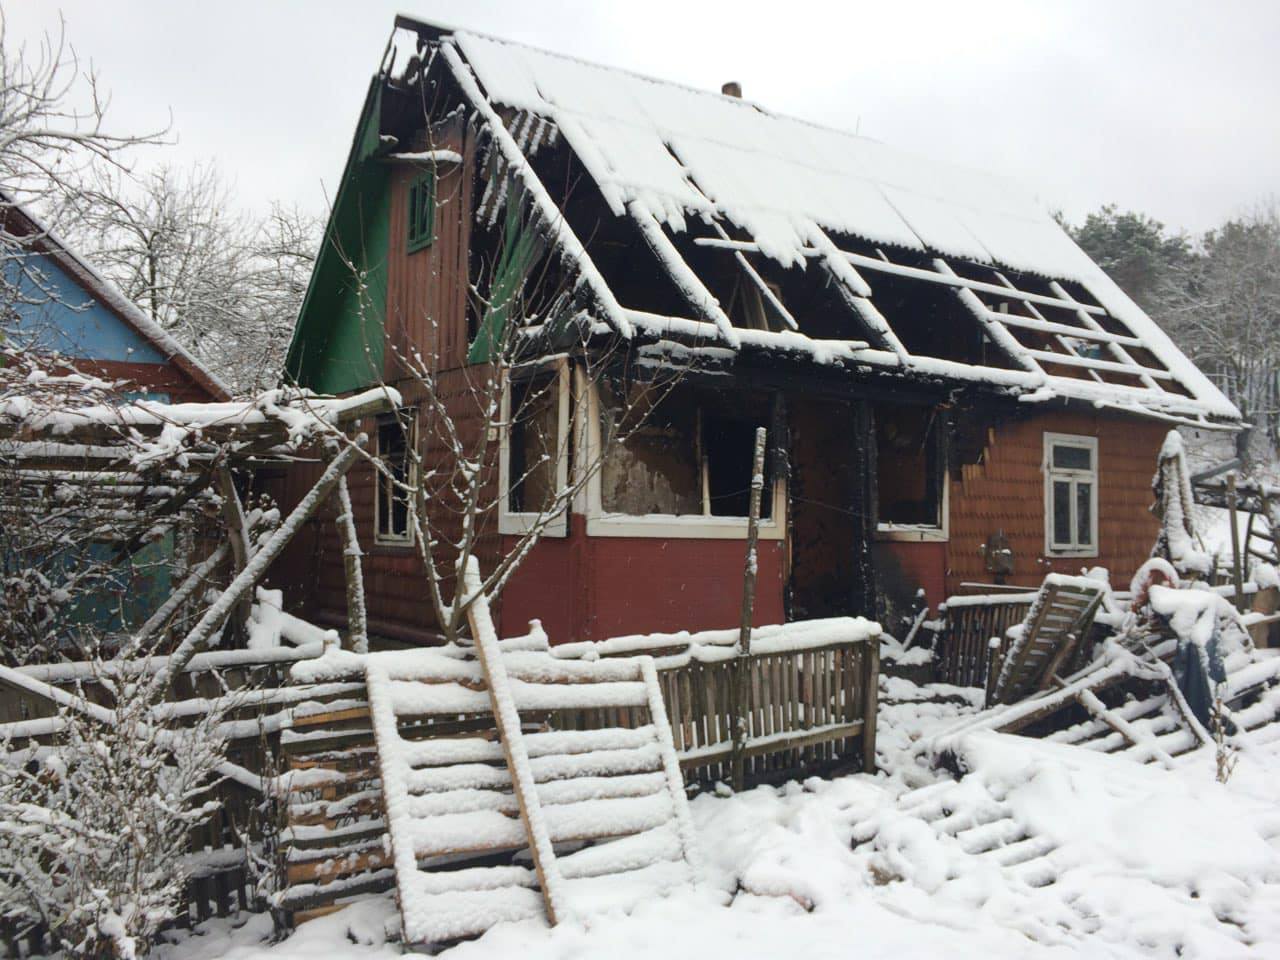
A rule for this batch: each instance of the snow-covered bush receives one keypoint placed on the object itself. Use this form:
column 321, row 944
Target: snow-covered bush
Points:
column 94, row 828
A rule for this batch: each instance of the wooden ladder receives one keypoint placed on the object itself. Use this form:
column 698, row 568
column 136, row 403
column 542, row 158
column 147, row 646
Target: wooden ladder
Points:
column 601, row 812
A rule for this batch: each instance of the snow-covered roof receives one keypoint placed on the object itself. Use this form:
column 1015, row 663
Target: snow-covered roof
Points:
column 855, row 212
column 109, row 295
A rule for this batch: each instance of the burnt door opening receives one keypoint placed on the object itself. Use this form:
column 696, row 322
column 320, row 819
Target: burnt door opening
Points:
column 829, row 509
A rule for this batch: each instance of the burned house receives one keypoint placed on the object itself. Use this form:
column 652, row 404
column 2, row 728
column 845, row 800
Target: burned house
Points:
column 953, row 391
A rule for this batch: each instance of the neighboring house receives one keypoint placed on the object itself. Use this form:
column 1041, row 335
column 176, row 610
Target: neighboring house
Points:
column 59, row 306
column 66, row 307
column 955, row 391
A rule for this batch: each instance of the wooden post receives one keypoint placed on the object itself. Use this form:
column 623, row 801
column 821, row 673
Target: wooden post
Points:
column 357, row 617
column 1237, row 574
column 507, row 720
column 742, row 664
column 238, row 537
column 249, row 576
column 870, row 703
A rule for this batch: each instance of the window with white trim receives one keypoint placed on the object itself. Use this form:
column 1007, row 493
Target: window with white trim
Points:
column 535, row 449
column 393, row 503
column 680, row 454
column 1071, row 495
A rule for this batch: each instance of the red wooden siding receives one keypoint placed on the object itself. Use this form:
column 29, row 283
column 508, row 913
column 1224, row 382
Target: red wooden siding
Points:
column 427, row 289
column 166, row 378
column 1006, row 491
column 591, row 588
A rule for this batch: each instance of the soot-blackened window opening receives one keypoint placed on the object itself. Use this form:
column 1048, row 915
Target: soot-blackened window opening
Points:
column 395, row 479
column 679, row 454
column 909, row 468
column 534, row 444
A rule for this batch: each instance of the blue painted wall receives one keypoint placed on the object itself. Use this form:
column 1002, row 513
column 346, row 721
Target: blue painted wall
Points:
column 73, row 323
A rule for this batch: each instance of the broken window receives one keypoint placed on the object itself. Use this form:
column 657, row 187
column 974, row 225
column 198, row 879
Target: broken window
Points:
column 393, row 506
column 533, row 444
column 654, row 467
column 1071, row 494
column 678, row 454
column 909, row 467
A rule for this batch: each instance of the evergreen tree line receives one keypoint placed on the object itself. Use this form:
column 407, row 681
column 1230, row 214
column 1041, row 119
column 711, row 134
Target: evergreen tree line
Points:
column 1217, row 295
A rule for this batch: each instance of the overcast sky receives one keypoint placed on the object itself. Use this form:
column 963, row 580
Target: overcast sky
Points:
column 1172, row 108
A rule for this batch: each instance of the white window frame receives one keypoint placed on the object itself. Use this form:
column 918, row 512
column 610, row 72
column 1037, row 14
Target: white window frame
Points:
column 519, row 523
column 669, row 526
column 379, row 478
column 1062, row 474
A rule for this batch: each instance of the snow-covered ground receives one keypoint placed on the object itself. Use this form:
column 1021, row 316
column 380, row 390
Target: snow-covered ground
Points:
column 1040, row 850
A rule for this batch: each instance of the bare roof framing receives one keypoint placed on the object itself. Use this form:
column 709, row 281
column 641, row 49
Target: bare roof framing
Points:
column 1011, row 268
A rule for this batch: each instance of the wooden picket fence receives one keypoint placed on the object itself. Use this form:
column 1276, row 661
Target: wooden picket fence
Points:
column 962, row 650
column 811, row 707
column 810, row 700
column 806, row 709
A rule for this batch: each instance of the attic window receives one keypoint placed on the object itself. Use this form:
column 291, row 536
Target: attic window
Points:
column 909, row 469
column 422, row 210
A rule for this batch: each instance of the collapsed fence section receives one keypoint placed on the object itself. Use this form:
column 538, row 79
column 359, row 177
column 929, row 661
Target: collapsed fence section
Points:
column 962, row 652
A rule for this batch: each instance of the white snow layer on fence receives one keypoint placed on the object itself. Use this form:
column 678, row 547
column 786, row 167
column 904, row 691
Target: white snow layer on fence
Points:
column 674, row 151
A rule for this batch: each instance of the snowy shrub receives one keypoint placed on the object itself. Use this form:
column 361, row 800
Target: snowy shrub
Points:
column 93, row 829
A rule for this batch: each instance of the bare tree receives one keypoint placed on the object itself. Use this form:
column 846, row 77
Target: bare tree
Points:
column 1223, row 306
column 226, row 285
column 544, row 399
column 95, row 828
column 53, row 126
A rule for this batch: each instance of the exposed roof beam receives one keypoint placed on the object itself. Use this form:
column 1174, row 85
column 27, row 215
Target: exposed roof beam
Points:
column 1119, row 352
column 917, row 273
column 999, row 335
column 1051, row 326
column 1031, row 308
column 1089, row 363
column 689, row 283
column 571, row 248
column 765, row 290
column 855, row 291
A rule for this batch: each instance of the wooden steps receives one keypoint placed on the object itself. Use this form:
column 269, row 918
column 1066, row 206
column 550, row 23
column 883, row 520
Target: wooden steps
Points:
column 572, row 820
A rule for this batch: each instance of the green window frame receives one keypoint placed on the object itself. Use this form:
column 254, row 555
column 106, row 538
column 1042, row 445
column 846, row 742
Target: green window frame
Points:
column 422, row 210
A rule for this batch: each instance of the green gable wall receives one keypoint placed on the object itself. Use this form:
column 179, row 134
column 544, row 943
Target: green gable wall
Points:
column 338, row 340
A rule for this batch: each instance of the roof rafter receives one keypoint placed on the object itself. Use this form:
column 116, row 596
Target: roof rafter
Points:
column 571, row 247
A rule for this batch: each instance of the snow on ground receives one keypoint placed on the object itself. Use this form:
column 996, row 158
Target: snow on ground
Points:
column 1040, row 850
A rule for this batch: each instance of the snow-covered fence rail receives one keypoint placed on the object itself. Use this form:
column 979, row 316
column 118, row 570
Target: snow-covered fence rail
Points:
column 813, row 702
column 961, row 654
column 811, row 695
column 250, row 689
